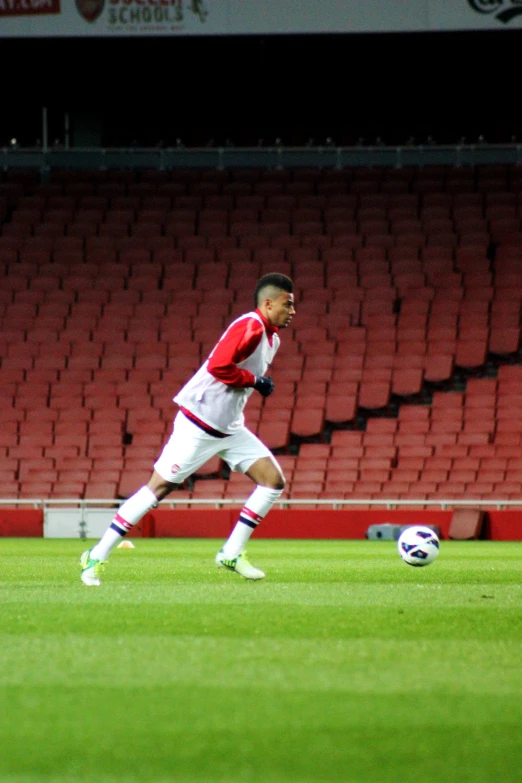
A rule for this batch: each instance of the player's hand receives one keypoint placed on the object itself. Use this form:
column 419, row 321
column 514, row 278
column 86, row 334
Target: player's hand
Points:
column 264, row 385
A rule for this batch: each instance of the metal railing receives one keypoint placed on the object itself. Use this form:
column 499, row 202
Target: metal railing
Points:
column 275, row 157
column 334, row 503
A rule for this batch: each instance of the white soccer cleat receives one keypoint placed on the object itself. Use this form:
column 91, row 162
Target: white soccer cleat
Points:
column 91, row 570
column 240, row 565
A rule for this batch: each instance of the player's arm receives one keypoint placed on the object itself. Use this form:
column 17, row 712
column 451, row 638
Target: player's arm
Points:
column 236, row 345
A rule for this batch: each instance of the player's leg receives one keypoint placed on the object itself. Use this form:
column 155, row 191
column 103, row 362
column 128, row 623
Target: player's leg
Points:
column 266, row 473
column 129, row 514
column 186, row 450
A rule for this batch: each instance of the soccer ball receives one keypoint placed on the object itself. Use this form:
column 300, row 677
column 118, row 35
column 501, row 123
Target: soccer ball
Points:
column 418, row 546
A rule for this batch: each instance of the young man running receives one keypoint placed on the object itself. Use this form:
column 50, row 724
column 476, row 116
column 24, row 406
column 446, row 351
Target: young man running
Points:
column 210, row 421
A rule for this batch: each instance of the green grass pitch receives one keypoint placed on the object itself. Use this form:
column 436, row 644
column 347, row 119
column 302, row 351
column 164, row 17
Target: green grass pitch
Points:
column 344, row 664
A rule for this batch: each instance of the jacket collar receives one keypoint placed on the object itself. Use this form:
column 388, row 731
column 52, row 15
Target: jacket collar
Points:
column 270, row 330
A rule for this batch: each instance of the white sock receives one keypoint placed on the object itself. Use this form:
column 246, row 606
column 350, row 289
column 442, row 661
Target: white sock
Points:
column 129, row 514
column 253, row 512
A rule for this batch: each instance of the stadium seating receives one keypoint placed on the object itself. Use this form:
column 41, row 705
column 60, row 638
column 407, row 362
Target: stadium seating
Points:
column 408, row 285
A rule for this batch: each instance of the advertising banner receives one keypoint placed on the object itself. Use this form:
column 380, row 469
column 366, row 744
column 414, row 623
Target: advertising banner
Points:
column 96, row 18
column 15, row 8
column 475, row 14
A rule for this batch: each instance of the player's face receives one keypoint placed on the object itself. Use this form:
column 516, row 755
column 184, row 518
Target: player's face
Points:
column 281, row 310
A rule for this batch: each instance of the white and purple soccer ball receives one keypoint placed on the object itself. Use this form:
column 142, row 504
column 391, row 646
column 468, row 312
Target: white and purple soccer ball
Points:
column 418, row 545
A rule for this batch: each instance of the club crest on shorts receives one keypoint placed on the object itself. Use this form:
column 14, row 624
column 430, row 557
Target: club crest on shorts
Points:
column 175, row 469
column 90, row 9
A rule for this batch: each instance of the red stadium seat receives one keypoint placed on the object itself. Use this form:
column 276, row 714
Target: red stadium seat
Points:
column 407, row 382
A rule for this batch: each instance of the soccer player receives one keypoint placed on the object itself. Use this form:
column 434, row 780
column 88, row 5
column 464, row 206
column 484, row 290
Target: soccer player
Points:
column 210, row 421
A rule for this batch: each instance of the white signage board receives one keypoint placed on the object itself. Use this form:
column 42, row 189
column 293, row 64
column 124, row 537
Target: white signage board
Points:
column 97, row 18
column 76, row 522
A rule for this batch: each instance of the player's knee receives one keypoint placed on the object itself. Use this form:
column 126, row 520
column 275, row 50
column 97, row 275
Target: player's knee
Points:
column 160, row 487
column 278, row 482
column 281, row 483
column 162, row 491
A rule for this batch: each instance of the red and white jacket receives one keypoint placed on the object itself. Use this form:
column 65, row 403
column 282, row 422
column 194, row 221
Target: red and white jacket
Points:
column 218, row 392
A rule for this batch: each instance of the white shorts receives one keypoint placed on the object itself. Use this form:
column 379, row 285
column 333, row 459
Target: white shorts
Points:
column 189, row 447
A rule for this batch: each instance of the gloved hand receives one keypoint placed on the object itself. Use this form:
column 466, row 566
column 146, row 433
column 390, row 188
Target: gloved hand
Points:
column 264, row 385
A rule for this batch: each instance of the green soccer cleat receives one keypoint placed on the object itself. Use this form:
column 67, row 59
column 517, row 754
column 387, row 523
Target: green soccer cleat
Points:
column 240, row 565
column 91, row 569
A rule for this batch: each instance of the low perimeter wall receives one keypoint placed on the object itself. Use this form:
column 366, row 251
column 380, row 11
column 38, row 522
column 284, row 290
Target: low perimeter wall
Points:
column 280, row 523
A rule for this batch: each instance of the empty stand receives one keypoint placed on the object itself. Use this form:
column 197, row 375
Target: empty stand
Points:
column 403, row 284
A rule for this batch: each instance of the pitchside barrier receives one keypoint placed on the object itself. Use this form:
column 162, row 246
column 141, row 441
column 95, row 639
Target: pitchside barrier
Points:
column 304, row 519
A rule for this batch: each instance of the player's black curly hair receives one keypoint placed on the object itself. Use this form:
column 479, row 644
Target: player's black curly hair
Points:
column 275, row 280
